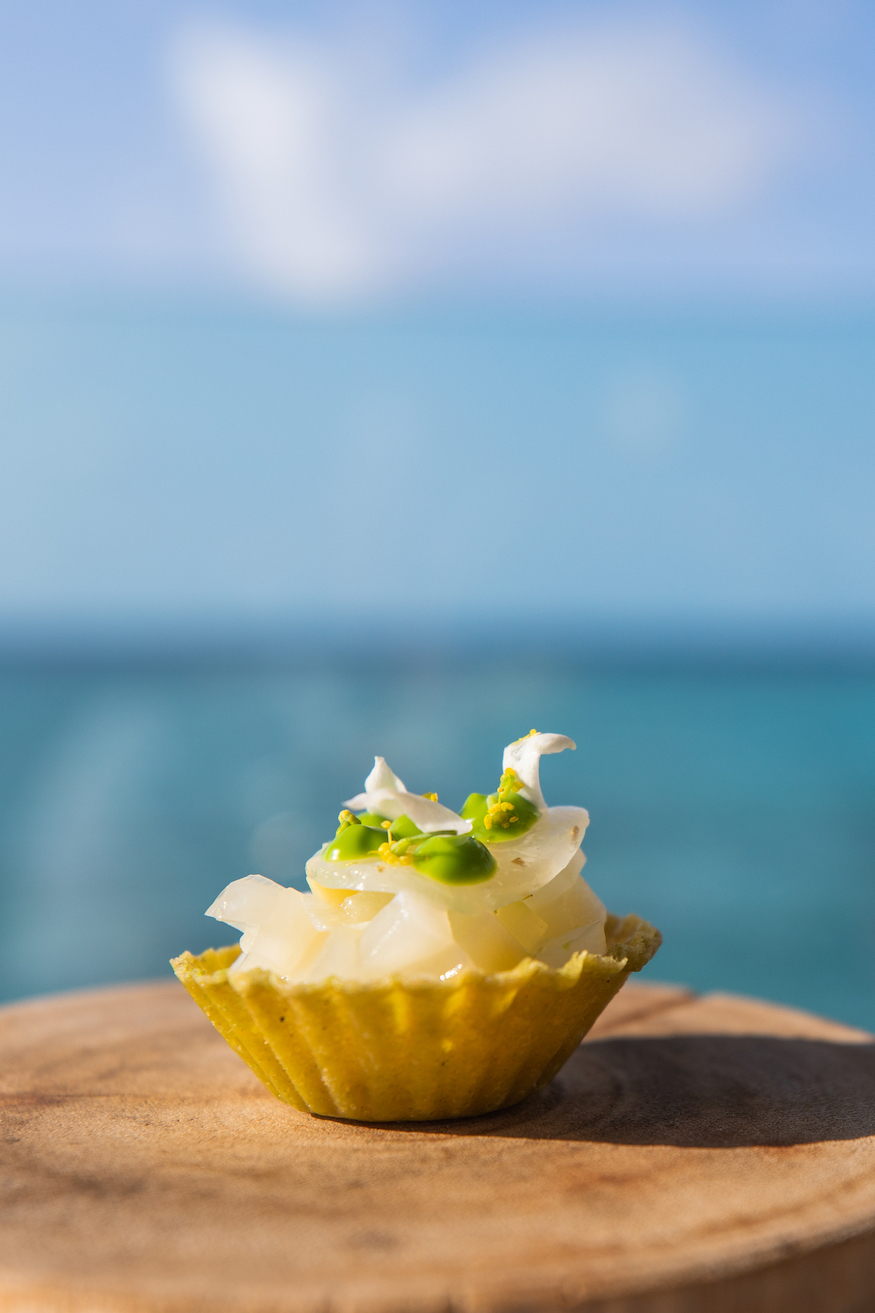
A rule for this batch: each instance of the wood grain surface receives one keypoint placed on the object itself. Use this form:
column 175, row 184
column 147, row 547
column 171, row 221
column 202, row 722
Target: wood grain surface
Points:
column 696, row 1154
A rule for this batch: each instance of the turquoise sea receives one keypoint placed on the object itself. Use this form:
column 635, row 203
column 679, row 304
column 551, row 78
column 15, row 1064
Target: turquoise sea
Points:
column 733, row 805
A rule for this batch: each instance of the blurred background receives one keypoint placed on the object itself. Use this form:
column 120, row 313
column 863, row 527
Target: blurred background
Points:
column 395, row 377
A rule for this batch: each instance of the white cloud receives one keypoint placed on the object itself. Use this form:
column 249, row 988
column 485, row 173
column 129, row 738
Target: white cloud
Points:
column 337, row 182
column 274, row 128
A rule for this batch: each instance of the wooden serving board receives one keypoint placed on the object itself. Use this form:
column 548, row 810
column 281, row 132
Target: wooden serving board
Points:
column 695, row 1154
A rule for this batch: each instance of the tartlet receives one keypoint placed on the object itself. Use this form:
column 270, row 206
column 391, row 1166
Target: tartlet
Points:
column 443, row 965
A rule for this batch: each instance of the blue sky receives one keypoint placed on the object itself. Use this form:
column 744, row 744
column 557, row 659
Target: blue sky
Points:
column 557, row 309
column 340, row 153
column 190, row 467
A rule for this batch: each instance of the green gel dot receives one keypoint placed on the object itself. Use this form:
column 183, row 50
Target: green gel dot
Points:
column 371, row 818
column 475, row 809
column 454, row 859
column 354, row 841
column 403, row 828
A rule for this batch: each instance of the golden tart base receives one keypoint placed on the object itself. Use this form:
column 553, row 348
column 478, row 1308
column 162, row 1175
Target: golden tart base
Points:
column 414, row 1050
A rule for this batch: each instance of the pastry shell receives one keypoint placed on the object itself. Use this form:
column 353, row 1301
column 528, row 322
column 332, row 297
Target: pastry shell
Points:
column 413, row 1049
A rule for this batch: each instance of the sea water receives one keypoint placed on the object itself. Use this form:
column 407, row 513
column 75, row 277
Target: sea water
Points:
column 734, row 808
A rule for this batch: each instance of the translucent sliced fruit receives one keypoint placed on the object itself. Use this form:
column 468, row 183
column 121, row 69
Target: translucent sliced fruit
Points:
column 323, row 915
column 566, row 901
column 527, row 864
column 524, row 924
column 339, row 957
column 278, row 934
column 485, row 940
column 589, row 939
column 446, row 964
column 409, row 930
column 359, row 908
column 333, row 896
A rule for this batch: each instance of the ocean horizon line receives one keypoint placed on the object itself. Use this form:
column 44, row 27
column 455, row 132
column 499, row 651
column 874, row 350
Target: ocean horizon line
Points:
column 807, row 645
